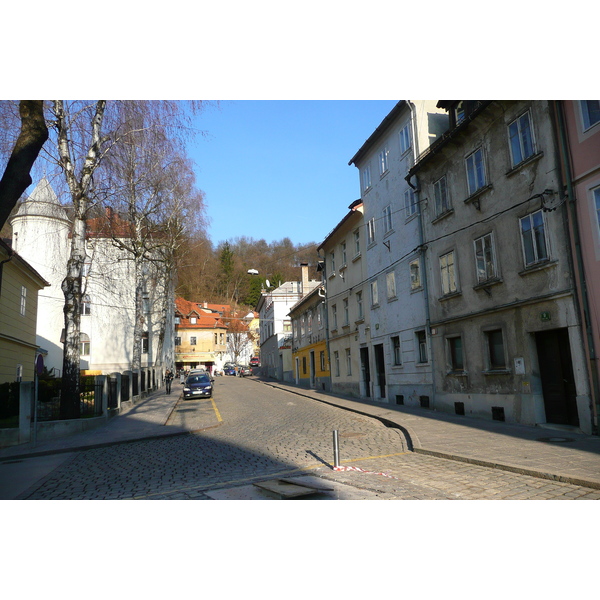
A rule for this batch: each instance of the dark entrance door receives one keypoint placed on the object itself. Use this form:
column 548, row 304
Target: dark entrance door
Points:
column 380, row 368
column 556, row 371
column 366, row 370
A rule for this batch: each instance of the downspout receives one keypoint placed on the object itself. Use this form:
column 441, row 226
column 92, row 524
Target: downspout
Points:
column 422, row 247
column 556, row 107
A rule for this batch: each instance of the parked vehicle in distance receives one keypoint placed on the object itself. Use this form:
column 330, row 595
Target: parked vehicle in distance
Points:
column 229, row 370
column 245, row 371
column 255, row 361
column 197, row 386
column 201, row 371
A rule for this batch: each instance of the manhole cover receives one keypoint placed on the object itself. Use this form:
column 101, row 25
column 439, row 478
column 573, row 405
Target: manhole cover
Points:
column 556, row 440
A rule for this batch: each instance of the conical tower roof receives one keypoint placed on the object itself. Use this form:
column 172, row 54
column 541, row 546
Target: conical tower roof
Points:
column 42, row 202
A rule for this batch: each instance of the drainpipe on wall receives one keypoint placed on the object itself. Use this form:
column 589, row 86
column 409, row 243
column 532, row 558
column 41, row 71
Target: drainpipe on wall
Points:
column 423, row 248
column 556, row 107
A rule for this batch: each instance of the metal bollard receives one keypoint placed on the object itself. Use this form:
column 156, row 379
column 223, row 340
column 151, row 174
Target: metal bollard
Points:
column 336, row 449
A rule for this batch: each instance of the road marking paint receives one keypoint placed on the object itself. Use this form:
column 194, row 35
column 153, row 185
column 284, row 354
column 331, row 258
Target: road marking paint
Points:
column 216, row 410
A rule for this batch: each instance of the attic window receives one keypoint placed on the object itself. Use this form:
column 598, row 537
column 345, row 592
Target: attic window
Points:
column 459, row 112
column 193, row 320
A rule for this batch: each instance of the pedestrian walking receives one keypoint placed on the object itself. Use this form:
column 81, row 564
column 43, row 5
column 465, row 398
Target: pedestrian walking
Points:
column 168, row 380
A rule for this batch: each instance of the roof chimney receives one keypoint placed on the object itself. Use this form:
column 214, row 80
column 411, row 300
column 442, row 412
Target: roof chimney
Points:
column 304, row 267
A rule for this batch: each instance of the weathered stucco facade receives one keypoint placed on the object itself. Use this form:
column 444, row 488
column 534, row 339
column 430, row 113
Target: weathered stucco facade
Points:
column 504, row 322
column 346, row 314
column 396, row 348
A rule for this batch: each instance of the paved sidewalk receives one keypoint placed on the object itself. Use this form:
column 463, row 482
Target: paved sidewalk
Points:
column 549, row 453
column 147, row 418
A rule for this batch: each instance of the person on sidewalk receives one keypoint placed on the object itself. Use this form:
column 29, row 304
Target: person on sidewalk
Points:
column 168, row 380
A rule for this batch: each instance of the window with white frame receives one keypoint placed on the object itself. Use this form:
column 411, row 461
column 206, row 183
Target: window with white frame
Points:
column 374, row 293
column 359, row 306
column 23, row 300
column 334, row 316
column 396, row 353
column 371, row 230
column 405, row 138
column 365, row 176
column 421, row 339
column 145, row 342
column 346, row 311
column 533, row 238
column 86, row 267
column 520, row 135
column 193, row 339
column 442, row 199
column 357, row 242
column 448, row 274
column 485, row 261
column 348, row 362
column 387, row 219
column 302, row 326
column 320, row 316
column 309, row 321
column 590, row 113
column 178, row 340
column 459, row 112
column 383, row 160
column 85, row 307
column 193, row 320
column 415, row 274
column 332, row 261
column 84, row 344
column 475, row 171
column 390, row 280
column 336, row 363
column 344, row 257
column 287, row 326
column 410, row 202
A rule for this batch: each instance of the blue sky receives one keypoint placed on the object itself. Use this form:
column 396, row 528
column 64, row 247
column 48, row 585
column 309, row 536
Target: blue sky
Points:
column 279, row 168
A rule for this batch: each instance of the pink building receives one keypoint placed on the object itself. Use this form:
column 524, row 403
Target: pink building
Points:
column 578, row 131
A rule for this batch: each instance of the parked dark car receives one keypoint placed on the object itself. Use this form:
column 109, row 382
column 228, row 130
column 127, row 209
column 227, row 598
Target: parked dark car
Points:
column 229, row 370
column 245, row 371
column 197, row 386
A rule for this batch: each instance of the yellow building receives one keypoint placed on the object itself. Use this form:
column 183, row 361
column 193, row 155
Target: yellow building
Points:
column 309, row 342
column 19, row 287
column 200, row 335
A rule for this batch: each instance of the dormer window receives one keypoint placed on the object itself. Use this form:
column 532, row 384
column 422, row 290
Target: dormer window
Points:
column 459, row 112
column 193, row 320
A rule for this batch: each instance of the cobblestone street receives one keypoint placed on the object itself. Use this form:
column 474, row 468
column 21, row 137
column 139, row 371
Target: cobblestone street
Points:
column 250, row 432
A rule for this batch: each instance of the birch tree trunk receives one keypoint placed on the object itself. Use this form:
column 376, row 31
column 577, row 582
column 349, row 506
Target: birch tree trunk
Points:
column 79, row 188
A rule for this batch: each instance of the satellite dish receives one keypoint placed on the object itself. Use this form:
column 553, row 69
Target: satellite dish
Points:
column 267, row 283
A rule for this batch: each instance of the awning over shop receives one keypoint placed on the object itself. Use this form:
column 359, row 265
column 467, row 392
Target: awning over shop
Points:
column 195, row 356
